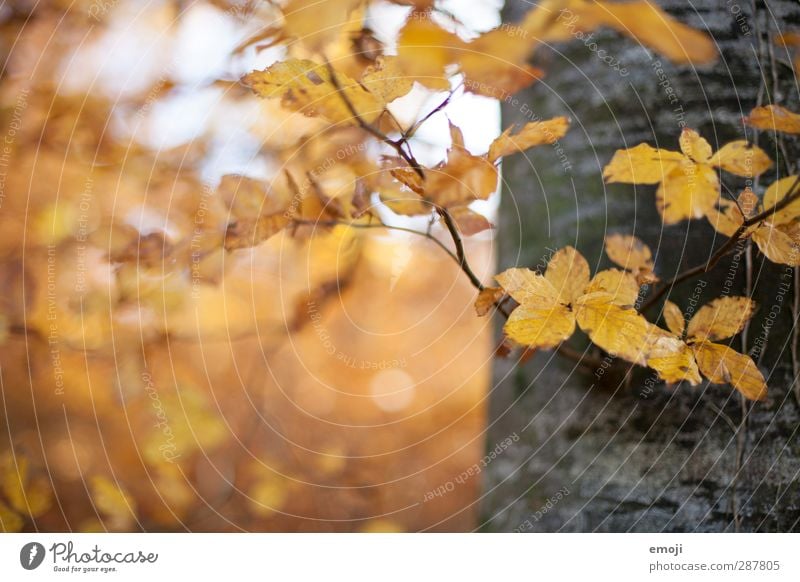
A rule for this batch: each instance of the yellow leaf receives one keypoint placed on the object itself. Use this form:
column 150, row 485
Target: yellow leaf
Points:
column 307, row 87
column 621, row 285
column 776, row 192
column 774, row 117
column 424, row 50
column 495, row 64
column 674, row 318
column 642, row 164
column 671, row 358
column 742, row 159
column 694, row 146
column 619, row 330
column 316, row 24
column 525, row 286
column 386, row 80
column 780, row 244
column 727, row 218
column 249, row 232
column 723, row 365
column 532, row 134
column 721, row 319
column 116, row 506
column 486, row 300
column 568, row 272
column 641, row 20
column 540, row 327
column 463, row 179
column 629, row 253
column 689, row 191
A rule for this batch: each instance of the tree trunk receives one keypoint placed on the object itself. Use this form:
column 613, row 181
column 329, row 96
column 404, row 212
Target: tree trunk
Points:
column 598, row 453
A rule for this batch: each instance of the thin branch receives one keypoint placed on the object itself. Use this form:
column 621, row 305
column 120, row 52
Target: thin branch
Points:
column 459, row 244
column 792, row 195
column 369, row 128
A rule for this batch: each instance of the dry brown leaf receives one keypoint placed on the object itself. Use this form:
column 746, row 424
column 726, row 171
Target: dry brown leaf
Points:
column 487, row 299
column 688, row 184
column 468, row 221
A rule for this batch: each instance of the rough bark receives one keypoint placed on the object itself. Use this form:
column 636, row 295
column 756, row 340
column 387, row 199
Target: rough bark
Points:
column 639, row 455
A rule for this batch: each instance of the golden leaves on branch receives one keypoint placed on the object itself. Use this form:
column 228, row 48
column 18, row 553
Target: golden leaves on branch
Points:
column 778, row 235
column 719, row 320
column 604, row 307
column 688, row 186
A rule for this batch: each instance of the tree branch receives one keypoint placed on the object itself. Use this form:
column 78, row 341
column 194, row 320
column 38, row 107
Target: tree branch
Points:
column 792, row 195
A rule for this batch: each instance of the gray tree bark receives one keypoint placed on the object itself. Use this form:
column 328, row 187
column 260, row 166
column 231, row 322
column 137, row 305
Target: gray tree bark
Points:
column 597, row 453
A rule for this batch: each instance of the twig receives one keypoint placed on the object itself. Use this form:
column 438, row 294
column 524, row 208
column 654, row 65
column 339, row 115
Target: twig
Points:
column 792, row 195
column 369, row 128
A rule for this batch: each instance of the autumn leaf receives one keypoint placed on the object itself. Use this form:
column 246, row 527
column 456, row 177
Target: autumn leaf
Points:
column 688, row 184
column 721, row 319
column 671, row 357
column 530, row 135
column 487, row 299
column 619, row 330
column 674, row 318
column 462, row 179
column 778, row 235
column 724, row 365
column 718, row 320
column 424, row 50
column 569, row 274
column 386, row 80
column 307, row 87
column 631, row 254
column 774, row 118
column 641, row 20
column 27, row 494
column 540, row 320
column 468, row 221
column 621, row 285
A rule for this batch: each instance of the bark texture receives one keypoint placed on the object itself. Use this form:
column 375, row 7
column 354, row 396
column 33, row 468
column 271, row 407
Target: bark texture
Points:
column 598, row 453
